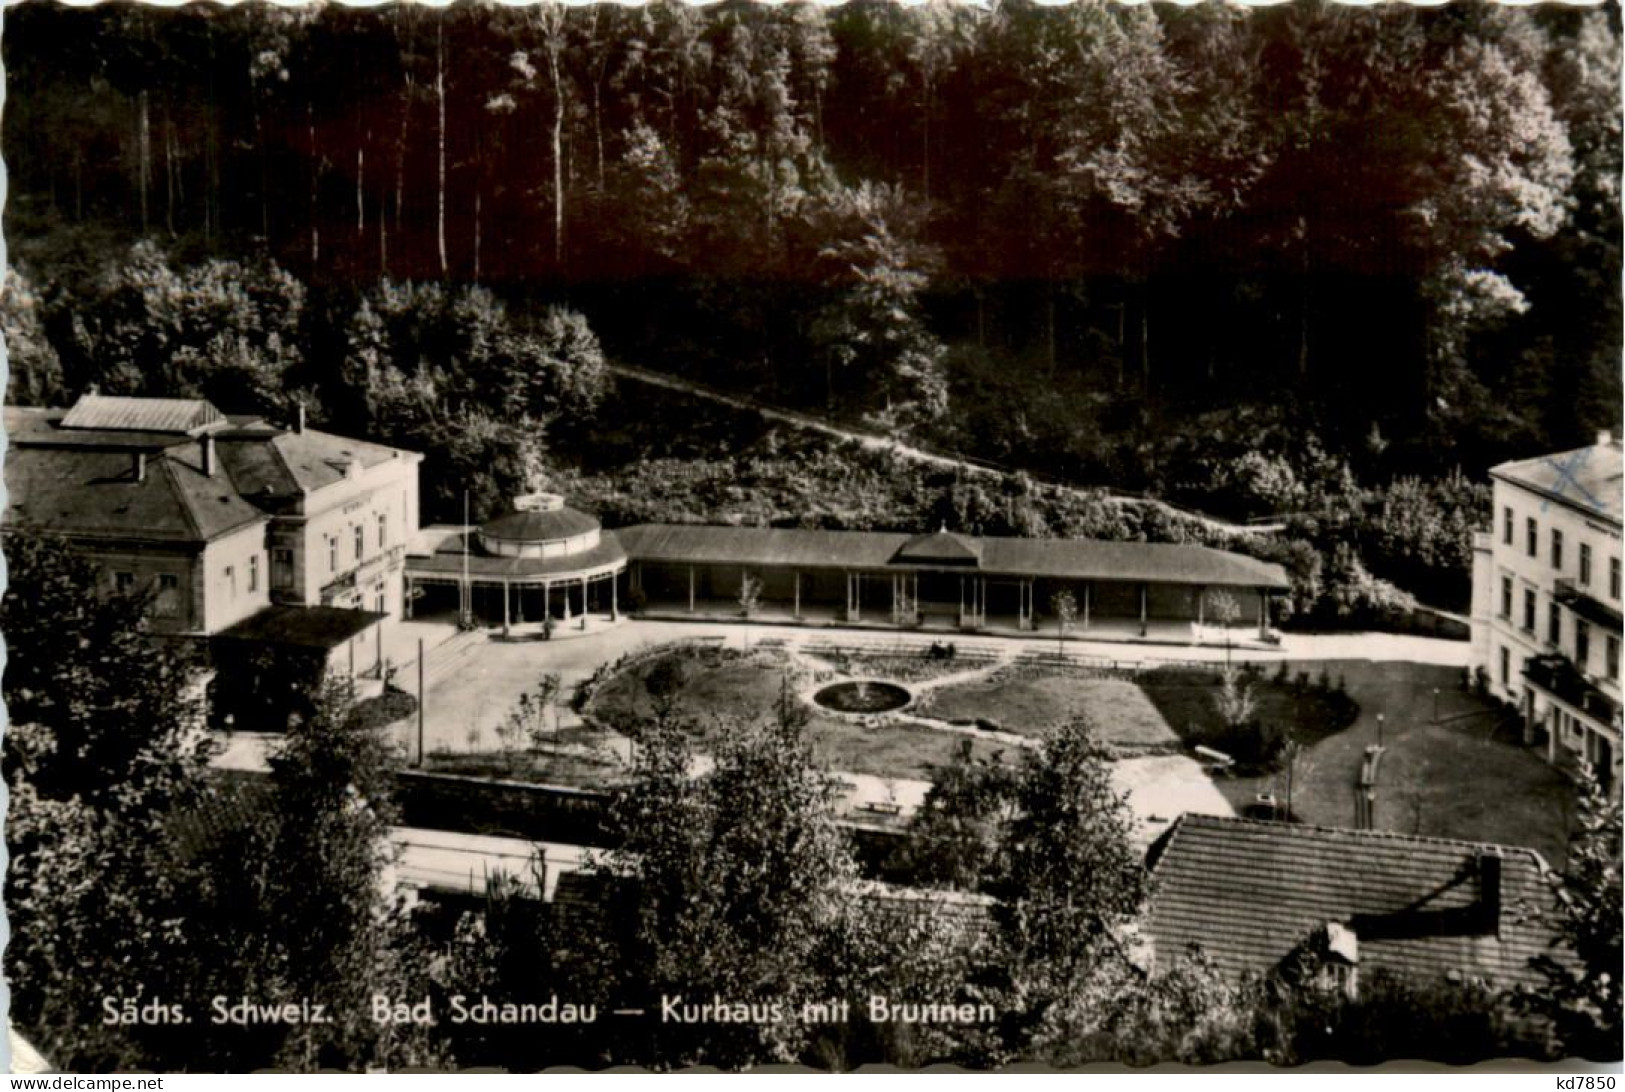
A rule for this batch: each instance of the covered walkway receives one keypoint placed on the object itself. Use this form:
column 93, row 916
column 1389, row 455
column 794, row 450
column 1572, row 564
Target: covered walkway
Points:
column 947, row 581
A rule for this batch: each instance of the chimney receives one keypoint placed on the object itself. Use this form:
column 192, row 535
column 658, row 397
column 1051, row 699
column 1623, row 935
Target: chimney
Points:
column 1489, row 888
column 208, row 456
column 299, row 420
column 1604, row 438
column 139, row 466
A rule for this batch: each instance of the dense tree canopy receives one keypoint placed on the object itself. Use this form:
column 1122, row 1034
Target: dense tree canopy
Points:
column 1153, row 204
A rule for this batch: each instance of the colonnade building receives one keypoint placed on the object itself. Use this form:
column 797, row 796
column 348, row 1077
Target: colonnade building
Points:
column 546, row 560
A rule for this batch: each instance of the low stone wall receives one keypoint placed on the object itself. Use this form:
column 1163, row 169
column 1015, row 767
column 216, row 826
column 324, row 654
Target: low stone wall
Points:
column 473, row 805
column 558, row 813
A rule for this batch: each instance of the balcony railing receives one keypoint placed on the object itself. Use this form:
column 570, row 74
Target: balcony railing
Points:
column 351, row 578
column 1586, row 605
column 1558, row 677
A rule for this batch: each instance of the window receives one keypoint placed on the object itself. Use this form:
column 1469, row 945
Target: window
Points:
column 360, row 541
column 281, row 567
column 1613, row 578
column 1506, row 597
column 1506, row 667
column 332, row 553
column 1506, row 526
column 1557, row 548
column 1582, row 644
column 254, row 573
column 1532, row 537
column 123, row 582
column 168, row 603
column 383, row 529
column 1613, row 657
column 1585, row 565
column 1529, row 610
column 231, row 580
column 1554, row 625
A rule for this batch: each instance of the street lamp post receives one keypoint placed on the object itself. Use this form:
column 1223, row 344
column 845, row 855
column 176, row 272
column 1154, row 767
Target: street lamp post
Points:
column 1379, row 729
column 1435, row 705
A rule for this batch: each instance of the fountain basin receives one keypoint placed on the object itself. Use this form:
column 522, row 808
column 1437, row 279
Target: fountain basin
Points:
column 863, row 696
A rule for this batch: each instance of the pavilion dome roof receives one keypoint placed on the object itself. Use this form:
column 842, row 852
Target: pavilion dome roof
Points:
column 539, row 518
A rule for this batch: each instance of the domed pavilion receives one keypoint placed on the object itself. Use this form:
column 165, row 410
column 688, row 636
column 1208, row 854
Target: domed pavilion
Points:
column 541, row 560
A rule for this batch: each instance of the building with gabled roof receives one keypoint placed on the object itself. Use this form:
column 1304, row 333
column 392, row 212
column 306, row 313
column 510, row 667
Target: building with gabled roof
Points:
column 223, row 518
column 1251, row 893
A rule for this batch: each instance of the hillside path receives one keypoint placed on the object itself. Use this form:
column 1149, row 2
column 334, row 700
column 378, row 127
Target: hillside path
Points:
column 917, row 453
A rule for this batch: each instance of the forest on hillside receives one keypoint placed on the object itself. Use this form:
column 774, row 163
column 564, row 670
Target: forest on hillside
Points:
column 1300, row 260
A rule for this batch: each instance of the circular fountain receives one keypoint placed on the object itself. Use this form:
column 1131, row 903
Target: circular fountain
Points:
column 863, row 696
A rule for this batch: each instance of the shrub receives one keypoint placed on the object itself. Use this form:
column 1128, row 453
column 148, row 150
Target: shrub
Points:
column 383, row 710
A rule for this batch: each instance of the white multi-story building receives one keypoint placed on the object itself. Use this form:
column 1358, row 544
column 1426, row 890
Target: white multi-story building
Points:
column 1546, row 601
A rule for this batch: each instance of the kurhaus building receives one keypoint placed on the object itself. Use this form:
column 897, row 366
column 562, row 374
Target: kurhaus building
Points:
column 547, row 560
column 242, row 530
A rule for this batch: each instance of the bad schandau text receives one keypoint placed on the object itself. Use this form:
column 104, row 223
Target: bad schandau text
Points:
column 483, row 1009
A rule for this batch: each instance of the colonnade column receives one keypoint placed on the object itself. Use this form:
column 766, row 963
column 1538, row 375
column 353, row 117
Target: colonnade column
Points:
column 798, row 593
column 1087, row 588
column 691, row 589
column 407, row 587
column 1144, row 597
column 614, row 598
column 506, row 628
column 1263, row 615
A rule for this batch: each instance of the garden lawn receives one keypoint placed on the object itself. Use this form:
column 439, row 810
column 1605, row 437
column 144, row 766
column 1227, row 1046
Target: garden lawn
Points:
column 747, row 688
column 896, row 750
column 1185, row 697
column 744, row 688
column 1456, row 780
column 1033, row 701
column 1449, row 782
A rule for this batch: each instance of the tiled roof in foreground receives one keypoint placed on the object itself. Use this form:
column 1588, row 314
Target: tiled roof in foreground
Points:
column 1073, row 559
column 1250, row 892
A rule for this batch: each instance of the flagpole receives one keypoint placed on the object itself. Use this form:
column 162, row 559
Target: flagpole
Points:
column 468, row 592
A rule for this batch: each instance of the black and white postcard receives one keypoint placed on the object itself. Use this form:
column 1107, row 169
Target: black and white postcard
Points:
column 816, row 535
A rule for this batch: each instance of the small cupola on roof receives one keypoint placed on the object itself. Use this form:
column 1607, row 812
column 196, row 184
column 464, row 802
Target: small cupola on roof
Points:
column 540, row 526
column 939, row 548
